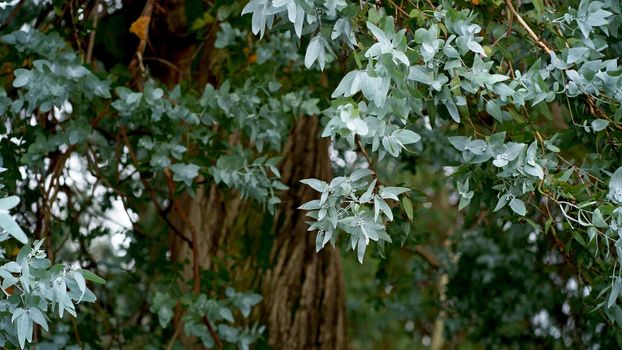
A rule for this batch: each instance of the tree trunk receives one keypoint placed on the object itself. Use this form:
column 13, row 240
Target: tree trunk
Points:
column 304, row 290
column 303, row 306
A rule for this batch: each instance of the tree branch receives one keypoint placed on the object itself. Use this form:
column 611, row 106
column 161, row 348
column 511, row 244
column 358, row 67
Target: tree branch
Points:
column 210, row 328
column 195, row 251
column 190, row 226
column 363, row 151
column 151, row 192
column 140, row 28
column 425, row 253
column 524, row 24
column 11, row 17
column 89, row 50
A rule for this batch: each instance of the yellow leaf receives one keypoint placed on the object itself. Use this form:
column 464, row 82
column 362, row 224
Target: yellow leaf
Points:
column 140, row 27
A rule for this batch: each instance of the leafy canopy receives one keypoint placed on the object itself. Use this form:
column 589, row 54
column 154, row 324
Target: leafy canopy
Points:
column 509, row 113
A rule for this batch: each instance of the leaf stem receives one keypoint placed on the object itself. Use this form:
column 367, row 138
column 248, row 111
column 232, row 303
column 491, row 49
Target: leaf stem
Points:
column 363, row 151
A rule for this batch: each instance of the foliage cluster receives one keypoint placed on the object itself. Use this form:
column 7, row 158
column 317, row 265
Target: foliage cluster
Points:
column 485, row 137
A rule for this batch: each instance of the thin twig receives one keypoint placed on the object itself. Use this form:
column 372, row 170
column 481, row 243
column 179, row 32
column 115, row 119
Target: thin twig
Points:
column 560, row 246
column 190, row 226
column 398, row 8
column 151, row 192
column 499, row 39
column 75, row 331
column 431, row 4
column 366, row 155
column 531, row 33
column 172, row 342
column 89, row 50
column 164, row 62
column 195, row 251
column 212, row 332
column 75, row 29
column 140, row 27
column 11, row 17
column 425, row 253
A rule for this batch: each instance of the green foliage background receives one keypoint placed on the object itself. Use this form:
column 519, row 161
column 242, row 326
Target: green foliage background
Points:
column 476, row 191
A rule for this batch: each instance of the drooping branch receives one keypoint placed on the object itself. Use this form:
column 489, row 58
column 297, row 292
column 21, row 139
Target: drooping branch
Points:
column 151, row 192
column 190, row 226
column 194, row 234
column 195, row 250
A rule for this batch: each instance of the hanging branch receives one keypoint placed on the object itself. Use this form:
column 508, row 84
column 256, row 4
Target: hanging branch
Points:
column 190, row 226
column 195, row 251
column 151, row 192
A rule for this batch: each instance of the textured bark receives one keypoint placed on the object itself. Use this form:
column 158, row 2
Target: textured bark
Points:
column 303, row 291
column 303, row 305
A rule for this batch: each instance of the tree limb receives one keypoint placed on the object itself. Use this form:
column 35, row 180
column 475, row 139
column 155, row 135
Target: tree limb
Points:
column 151, row 192
column 524, row 24
column 89, row 50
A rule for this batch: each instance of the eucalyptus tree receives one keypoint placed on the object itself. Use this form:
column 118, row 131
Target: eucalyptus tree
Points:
column 464, row 153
